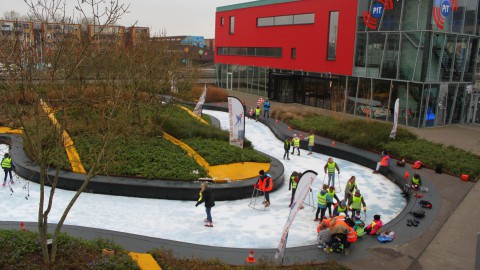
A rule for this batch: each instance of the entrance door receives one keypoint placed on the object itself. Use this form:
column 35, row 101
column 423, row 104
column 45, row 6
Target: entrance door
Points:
column 229, row 80
column 442, row 105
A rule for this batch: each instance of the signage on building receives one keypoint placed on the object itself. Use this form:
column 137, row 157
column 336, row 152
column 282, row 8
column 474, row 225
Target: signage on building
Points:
column 372, row 16
column 442, row 9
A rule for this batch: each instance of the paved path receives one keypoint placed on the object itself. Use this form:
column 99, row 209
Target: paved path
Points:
column 450, row 242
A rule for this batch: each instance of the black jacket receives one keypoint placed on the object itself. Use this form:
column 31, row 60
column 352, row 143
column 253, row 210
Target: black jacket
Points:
column 207, row 197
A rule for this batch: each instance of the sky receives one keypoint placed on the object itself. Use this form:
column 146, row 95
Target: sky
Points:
column 235, row 223
column 177, row 17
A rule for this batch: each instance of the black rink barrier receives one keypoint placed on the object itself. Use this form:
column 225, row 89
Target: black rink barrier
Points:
column 137, row 187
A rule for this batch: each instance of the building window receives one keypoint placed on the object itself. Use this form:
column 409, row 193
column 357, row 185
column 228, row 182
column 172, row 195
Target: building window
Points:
column 222, row 21
column 286, row 20
column 232, row 25
column 293, row 53
column 332, row 36
column 250, row 51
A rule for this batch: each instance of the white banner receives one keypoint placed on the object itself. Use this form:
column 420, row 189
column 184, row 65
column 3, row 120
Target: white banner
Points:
column 237, row 121
column 303, row 188
column 393, row 133
column 201, row 100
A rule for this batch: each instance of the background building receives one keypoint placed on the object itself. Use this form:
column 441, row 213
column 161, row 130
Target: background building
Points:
column 355, row 57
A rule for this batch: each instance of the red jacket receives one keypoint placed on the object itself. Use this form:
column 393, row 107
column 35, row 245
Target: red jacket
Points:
column 375, row 226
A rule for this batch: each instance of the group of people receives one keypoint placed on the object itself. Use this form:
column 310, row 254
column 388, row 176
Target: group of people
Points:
column 266, row 110
column 294, row 143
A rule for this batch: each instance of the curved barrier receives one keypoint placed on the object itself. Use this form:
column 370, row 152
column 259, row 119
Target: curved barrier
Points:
column 138, row 187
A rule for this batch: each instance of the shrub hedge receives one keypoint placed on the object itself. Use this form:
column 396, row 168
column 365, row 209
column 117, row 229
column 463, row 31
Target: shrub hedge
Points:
column 372, row 135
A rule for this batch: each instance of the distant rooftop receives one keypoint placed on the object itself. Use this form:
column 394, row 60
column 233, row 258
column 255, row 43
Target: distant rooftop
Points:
column 253, row 4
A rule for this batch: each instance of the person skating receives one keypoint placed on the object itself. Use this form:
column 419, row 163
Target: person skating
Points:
column 311, row 142
column 206, row 196
column 266, row 108
column 257, row 113
column 322, row 199
column 265, row 184
column 330, row 168
column 286, row 147
column 374, row 227
column 292, row 185
column 349, row 188
column 331, row 195
column 7, row 166
column 385, row 162
column 296, row 144
column 356, row 203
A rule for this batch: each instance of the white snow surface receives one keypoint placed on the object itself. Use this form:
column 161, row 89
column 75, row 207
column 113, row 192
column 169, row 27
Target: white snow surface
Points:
column 235, row 223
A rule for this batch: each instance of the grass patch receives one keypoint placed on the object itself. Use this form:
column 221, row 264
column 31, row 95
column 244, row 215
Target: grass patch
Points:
column 167, row 261
column 218, row 152
column 374, row 136
column 21, row 250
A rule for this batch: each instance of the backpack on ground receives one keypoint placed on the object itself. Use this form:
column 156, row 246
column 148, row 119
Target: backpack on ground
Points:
column 425, row 204
column 418, row 213
column 337, row 246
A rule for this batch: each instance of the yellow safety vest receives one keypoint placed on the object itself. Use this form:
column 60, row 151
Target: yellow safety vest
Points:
column 331, row 167
column 7, row 163
column 322, row 199
column 416, row 181
column 311, row 139
column 356, row 202
column 257, row 111
column 331, row 194
column 296, row 142
column 294, row 184
column 341, row 209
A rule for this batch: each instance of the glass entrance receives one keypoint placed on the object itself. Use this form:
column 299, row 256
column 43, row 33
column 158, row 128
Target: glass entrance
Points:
column 229, row 80
column 476, row 109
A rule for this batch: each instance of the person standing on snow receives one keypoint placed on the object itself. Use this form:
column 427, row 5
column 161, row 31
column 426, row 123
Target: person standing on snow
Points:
column 205, row 195
column 330, row 168
column 311, row 142
column 7, row 166
column 322, row 199
column 257, row 113
column 266, row 108
column 292, row 185
column 265, row 184
column 286, row 146
column 331, row 195
column 296, row 144
column 349, row 188
column 356, row 203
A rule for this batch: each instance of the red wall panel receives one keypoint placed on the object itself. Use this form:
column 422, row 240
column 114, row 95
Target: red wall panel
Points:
column 310, row 40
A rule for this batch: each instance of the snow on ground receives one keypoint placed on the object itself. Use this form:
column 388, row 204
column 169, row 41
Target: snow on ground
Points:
column 235, row 223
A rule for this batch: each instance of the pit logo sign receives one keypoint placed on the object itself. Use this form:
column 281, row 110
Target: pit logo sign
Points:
column 442, row 9
column 372, row 16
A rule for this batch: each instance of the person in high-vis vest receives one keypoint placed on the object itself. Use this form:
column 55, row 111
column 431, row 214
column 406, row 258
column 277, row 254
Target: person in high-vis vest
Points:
column 311, row 142
column 416, row 181
column 7, row 166
column 296, row 144
column 340, row 208
column 385, row 162
column 292, row 185
column 374, row 227
column 265, row 184
column 359, row 226
column 257, row 113
column 322, row 199
column 349, row 188
column 330, row 168
column 331, row 195
column 356, row 204
column 286, row 147
column 339, row 230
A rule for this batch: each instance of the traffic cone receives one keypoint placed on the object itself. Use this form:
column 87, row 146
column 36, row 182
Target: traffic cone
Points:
column 407, row 175
column 22, row 227
column 333, row 143
column 251, row 257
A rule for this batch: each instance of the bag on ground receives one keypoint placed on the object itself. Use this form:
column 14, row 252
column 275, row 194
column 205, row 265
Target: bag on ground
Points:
column 418, row 213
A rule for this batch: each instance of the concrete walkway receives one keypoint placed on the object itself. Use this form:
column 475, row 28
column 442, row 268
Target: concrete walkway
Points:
column 450, row 242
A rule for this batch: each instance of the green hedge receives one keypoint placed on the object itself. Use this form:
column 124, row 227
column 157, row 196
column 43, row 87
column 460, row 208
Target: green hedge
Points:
column 142, row 157
column 372, row 135
column 218, row 152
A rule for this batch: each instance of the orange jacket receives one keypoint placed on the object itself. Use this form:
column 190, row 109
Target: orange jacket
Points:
column 326, row 221
column 385, row 160
column 352, row 235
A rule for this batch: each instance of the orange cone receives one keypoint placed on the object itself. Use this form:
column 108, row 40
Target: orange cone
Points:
column 333, row 143
column 22, row 227
column 251, row 257
column 407, row 175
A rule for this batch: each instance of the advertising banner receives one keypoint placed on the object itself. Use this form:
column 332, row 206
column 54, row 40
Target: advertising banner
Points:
column 304, row 184
column 201, row 100
column 393, row 133
column 236, row 114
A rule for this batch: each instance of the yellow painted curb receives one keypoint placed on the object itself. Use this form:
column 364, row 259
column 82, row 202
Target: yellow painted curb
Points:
column 144, row 261
column 194, row 115
column 8, row 130
column 236, row 171
column 72, row 154
column 200, row 160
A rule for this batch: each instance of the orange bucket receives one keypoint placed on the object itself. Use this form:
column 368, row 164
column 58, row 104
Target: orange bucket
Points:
column 464, row 177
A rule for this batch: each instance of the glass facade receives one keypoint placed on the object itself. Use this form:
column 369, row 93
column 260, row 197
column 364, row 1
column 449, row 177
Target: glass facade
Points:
column 422, row 52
